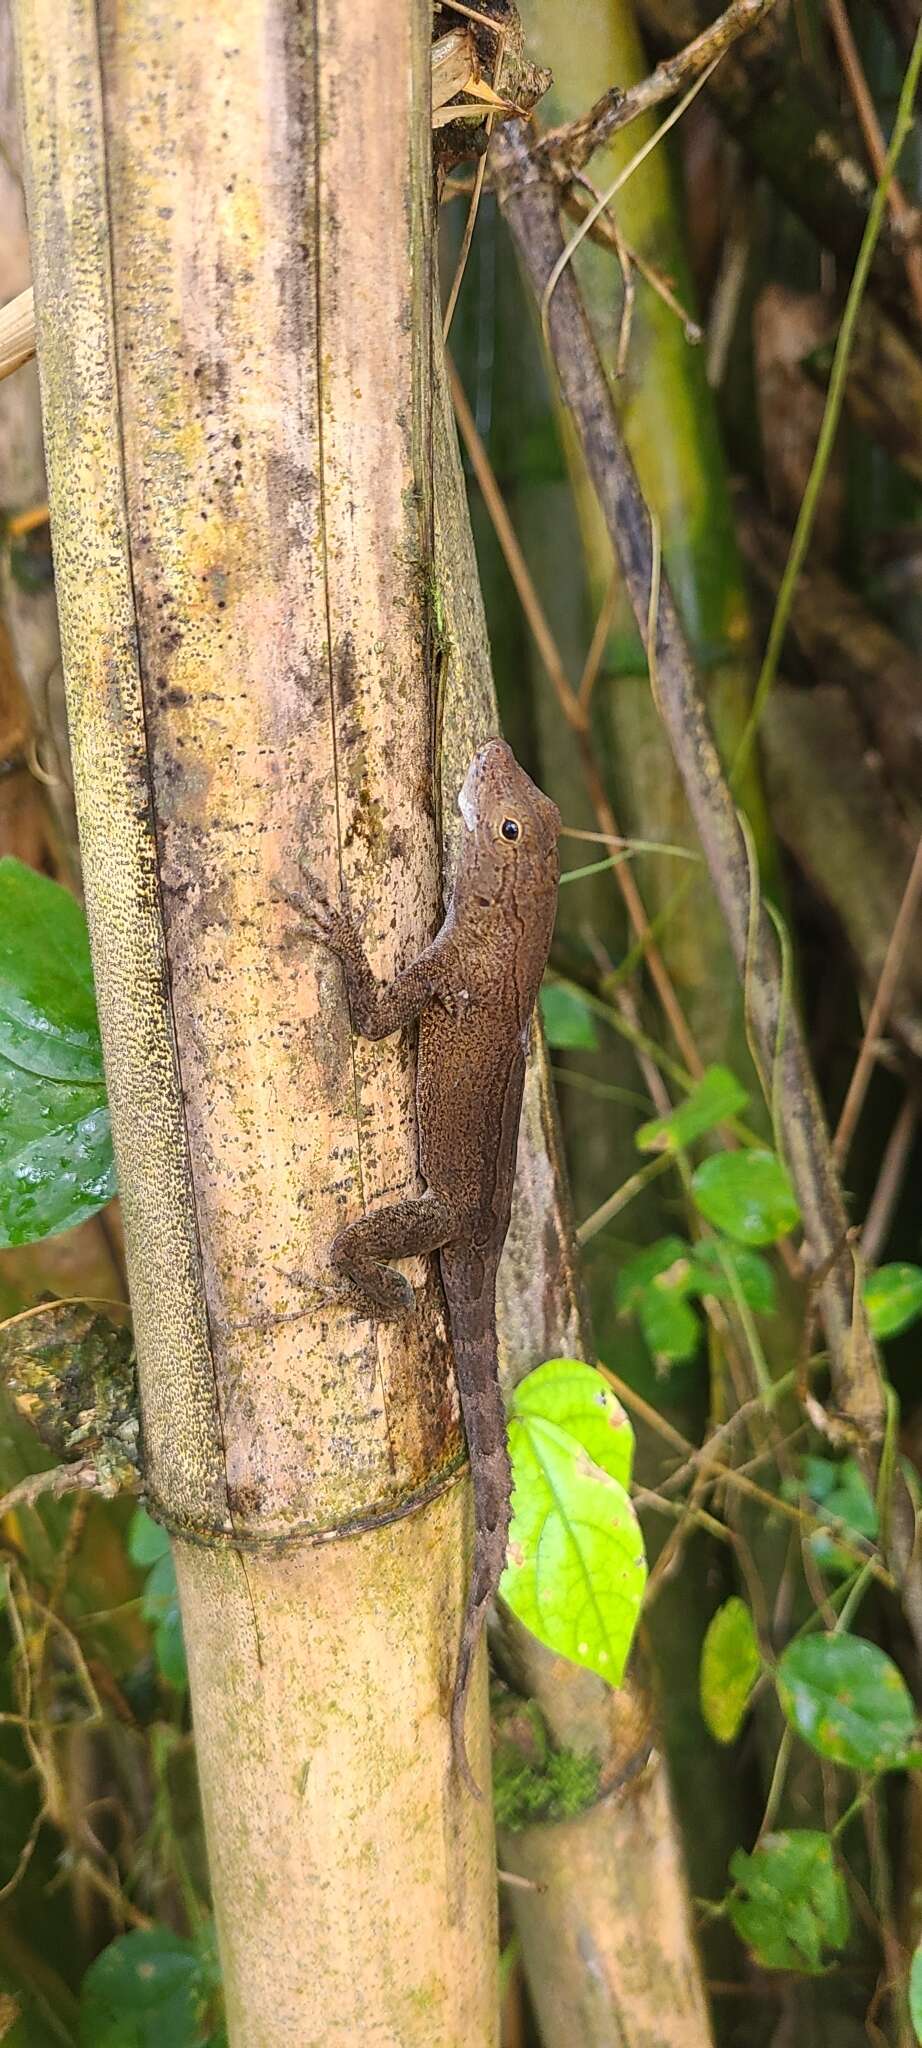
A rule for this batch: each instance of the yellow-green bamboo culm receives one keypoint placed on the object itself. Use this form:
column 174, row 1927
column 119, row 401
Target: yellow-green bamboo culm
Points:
column 228, row 211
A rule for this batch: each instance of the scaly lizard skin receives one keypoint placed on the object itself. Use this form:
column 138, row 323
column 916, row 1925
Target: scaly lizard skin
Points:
column 473, row 991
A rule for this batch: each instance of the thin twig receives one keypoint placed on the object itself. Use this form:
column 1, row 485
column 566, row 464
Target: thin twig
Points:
column 61, row 1479
column 904, row 216
column 835, row 395
column 890, row 1179
column 474, row 207
column 605, row 198
column 593, row 661
column 880, row 1008
column 567, row 149
column 609, row 236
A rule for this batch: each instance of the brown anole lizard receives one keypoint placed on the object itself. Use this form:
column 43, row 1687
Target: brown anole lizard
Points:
column 473, row 991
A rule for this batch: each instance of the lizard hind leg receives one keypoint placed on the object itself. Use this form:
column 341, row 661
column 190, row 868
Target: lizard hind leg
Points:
column 359, row 1254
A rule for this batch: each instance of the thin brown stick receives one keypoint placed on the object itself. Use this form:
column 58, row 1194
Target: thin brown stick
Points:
column 879, row 1011
column 474, row 207
column 904, row 216
column 81, row 1477
column 575, row 713
column 889, row 1182
column 568, row 148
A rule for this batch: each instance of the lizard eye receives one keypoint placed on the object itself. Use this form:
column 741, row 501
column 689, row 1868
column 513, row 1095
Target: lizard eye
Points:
column 510, row 828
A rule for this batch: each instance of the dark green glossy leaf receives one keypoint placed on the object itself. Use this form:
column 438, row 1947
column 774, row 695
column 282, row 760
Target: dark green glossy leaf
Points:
column 146, row 1990
column 568, row 1021
column 48, row 1019
column 848, row 1701
column 146, row 1539
column 790, row 1903
column 56, row 1165
column 747, row 1194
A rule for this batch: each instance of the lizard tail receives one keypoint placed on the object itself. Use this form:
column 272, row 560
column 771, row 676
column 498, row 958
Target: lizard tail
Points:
column 473, row 1330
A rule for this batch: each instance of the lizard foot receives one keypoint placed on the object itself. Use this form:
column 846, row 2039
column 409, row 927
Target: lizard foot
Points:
column 324, row 922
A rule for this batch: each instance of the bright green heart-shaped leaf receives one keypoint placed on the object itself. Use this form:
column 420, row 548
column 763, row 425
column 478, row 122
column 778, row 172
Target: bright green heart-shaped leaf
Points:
column 790, row 1903
column 575, row 1569
column 848, row 1701
column 747, row 1194
column 730, row 1664
column 56, row 1165
column 717, row 1096
column 893, row 1298
column 577, row 1398
column 568, row 1021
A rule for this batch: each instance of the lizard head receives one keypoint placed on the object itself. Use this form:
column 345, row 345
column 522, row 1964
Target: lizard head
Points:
column 510, row 847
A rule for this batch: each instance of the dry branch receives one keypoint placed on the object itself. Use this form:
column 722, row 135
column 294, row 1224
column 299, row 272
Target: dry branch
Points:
column 568, row 148
column 531, row 207
column 770, row 100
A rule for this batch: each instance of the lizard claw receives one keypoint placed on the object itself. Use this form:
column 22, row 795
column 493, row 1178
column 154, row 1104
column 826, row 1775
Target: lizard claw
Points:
column 323, row 922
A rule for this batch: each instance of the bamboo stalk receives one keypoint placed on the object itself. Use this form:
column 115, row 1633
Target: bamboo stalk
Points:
column 233, row 350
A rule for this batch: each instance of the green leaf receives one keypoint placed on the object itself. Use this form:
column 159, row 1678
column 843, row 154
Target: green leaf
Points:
column 669, row 1255
column 845, row 1504
column 575, row 1569
column 47, row 1004
column 893, row 1298
column 170, row 1649
column 146, row 1539
column 669, row 1326
column 568, row 1022
column 716, row 1097
column 148, row 1544
column 654, row 1284
column 790, row 1902
column 848, row 1701
column 730, row 1664
column 56, row 1165
column 747, row 1194
column 577, row 1398
column 753, row 1274
column 915, row 1992
column 147, row 1988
